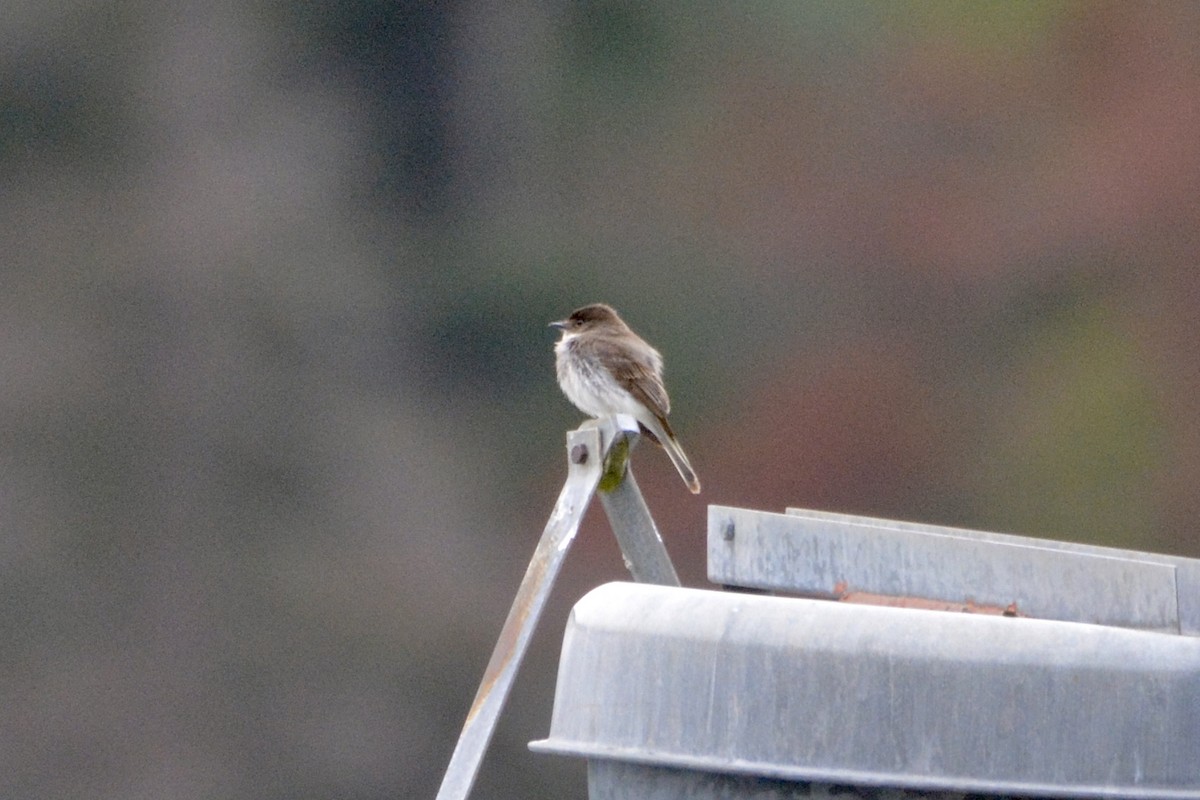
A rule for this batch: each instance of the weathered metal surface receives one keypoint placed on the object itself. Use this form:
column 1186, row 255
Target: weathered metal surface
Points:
column 585, row 465
column 1187, row 570
column 641, row 545
column 622, row 780
column 792, row 689
column 825, row 555
column 588, row 450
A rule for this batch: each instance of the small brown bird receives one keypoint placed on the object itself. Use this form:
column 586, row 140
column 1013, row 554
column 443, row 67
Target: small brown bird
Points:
column 604, row 368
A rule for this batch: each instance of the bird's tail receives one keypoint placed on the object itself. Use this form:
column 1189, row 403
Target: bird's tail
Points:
column 661, row 432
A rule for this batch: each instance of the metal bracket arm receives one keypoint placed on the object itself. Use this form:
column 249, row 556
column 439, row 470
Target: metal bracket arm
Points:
column 597, row 457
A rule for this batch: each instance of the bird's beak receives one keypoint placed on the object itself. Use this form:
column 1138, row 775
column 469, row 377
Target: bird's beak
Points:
column 560, row 324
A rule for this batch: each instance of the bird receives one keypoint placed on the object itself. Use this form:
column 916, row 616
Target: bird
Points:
column 604, row 368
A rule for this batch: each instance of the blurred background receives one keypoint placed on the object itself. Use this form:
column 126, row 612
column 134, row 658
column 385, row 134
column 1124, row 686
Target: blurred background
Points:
column 279, row 420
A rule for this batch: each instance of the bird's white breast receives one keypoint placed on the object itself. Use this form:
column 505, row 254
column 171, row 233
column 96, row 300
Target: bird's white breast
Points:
column 589, row 386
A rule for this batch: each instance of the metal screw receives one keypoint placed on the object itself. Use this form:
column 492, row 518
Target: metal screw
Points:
column 728, row 531
column 579, row 454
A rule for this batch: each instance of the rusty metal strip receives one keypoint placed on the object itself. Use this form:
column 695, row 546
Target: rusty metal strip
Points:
column 585, row 466
column 597, row 454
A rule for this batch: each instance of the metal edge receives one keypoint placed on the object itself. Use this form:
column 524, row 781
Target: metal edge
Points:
column 854, row 777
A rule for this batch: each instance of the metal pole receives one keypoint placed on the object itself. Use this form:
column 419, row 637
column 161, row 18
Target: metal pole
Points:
column 597, row 456
column 585, row 464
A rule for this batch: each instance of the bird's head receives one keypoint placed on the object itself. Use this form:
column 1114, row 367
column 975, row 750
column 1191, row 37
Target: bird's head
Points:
column 590, row 317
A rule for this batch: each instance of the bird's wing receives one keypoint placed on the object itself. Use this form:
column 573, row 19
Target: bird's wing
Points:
column 638, row 371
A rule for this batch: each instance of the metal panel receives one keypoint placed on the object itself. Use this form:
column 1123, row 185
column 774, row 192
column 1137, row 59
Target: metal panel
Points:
column 807, row 690
column 1187, row 570
column 827, row 556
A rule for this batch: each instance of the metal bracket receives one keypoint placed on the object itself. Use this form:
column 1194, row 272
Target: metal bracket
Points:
column 859, row 559
column 597, row 458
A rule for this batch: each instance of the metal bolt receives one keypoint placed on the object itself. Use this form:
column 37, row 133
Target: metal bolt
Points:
column 579, row 454
column 728, row 531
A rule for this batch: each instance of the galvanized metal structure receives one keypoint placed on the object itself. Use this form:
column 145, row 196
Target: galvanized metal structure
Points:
column 1075, row 672
column 822, row 554
column 1084, row 681
column 597, row 457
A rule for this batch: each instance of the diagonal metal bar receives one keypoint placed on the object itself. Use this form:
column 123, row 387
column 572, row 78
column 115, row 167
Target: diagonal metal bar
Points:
column 642, row 547
column 586, row 448
column 597, row 457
